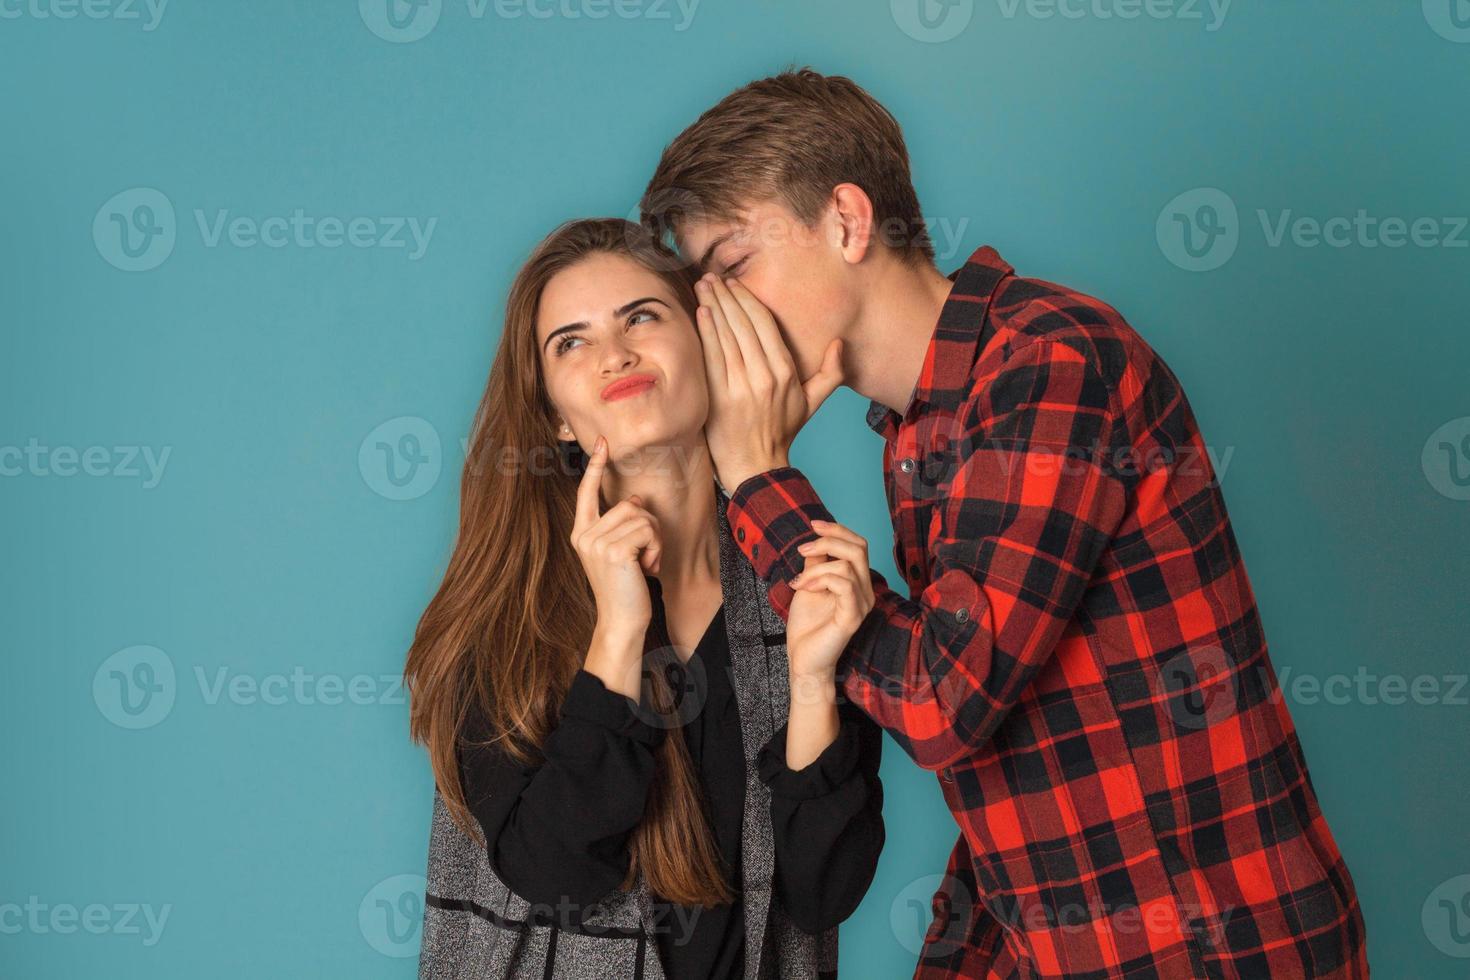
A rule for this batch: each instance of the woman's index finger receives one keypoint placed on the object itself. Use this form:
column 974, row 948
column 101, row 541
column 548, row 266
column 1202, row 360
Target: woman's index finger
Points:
column 590, row 486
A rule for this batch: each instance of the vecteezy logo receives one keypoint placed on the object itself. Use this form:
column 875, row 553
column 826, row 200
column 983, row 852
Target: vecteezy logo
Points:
column 1201, row 687
column 1199, row 230
column 674, row 690
column 400, row 21
column 400, row 459
column 134, row 688
column 1446, row 459
column 932, row 911
column 932, row 21
column 1446, row 917
column 1449, row 18
column 135, row 229
column 391, row 915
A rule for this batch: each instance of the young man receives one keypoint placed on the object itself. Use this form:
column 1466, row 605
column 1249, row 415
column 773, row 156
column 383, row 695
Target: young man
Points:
column 1080, row 657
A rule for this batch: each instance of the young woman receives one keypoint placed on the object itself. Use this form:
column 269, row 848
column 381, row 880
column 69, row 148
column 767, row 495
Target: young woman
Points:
column 640, row 770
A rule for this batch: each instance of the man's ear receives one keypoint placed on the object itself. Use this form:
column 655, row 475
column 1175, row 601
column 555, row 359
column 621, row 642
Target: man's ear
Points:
column 852, row 211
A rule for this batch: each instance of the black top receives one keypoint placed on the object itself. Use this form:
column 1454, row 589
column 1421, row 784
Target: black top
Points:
column 712, row 945
column 557, row 831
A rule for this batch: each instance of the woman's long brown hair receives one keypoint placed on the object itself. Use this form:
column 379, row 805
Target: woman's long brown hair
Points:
column 511, row 622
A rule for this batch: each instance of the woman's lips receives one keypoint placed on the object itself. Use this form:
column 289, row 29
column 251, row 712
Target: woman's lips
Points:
column 628, row 387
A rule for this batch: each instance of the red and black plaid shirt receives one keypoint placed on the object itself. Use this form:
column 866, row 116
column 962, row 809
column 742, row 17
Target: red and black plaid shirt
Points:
column 1081, row 659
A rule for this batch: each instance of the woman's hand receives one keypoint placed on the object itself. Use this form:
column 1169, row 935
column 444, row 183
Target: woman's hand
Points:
column 830, row 599
column 616, row 549
column 757, row 402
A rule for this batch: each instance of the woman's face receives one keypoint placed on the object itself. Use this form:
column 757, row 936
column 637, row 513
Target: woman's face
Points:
column 621, row 358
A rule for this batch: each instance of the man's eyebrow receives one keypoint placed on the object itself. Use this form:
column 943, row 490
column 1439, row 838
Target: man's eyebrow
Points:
column 623, row 310
column 709, row 252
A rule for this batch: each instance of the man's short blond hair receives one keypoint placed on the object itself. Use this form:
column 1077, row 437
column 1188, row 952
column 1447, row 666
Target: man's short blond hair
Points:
column 790, row 138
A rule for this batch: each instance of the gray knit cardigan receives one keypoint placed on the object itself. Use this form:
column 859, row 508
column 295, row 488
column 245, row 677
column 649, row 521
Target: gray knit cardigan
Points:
column 476, row 927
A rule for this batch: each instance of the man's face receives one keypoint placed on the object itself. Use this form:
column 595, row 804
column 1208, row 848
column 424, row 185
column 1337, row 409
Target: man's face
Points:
column 796, row 271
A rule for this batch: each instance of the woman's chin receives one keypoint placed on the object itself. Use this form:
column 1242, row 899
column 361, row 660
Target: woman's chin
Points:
column 665, row 453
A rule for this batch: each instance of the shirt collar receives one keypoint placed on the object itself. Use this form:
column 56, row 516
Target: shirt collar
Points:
column 959, row 335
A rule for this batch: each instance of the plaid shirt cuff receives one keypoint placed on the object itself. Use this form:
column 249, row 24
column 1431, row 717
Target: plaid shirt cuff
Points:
column 771, row 514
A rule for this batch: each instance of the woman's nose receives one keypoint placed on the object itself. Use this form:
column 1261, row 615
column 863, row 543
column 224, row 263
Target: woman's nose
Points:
column 618, row 356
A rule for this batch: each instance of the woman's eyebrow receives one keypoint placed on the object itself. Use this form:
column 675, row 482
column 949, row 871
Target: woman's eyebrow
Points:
column 623, row 310
column 627, row 308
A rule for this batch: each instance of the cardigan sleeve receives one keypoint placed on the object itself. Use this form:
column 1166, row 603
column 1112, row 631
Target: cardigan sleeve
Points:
column 827, row 819
column 557, row 831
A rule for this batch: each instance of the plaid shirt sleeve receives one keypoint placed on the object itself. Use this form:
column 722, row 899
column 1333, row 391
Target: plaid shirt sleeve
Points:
column 1032, row 505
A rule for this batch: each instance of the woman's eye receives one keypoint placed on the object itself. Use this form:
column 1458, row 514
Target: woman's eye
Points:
column 647, row 313
column 733, row 269
column 561, row 345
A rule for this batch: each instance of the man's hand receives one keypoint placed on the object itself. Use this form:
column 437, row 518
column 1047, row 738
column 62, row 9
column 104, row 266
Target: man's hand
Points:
column 757, row 402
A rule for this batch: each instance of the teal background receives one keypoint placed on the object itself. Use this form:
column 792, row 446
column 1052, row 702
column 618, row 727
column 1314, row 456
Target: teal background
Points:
column 269, row 546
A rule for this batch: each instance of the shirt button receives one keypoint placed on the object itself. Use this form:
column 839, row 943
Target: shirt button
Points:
column 907, row 465
column 755, row 551
column 961, row 615
column 740, row 534
column 913, row 571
